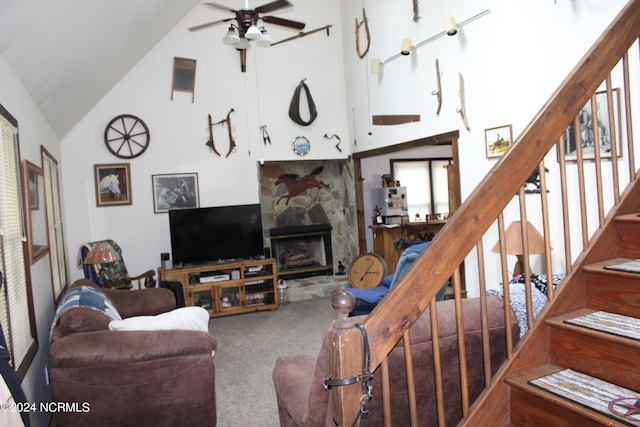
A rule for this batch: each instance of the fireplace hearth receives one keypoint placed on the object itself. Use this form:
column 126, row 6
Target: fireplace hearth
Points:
column 302, row 251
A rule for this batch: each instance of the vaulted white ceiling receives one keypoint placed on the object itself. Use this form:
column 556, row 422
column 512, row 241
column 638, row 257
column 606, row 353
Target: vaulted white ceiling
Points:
column 70, row 53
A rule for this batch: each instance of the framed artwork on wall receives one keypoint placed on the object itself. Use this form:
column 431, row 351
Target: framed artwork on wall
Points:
column 175, row 191
column 497, row 140
column 37, row 231
column 585, row 117
column 113, row 184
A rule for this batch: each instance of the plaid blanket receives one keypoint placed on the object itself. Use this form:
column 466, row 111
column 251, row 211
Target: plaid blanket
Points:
column 85, row 296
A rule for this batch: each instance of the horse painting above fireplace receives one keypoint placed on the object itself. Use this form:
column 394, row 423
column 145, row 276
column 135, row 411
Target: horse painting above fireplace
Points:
column 296, row 184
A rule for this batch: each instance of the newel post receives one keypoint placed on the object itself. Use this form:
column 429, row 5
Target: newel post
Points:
column 346, row 359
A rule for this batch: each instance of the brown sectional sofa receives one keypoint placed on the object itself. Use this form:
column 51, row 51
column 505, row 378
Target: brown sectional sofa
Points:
column 303, row 400
column 131, row 378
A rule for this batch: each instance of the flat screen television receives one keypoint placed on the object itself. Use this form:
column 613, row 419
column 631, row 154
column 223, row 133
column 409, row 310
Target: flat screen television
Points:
column 203, row 235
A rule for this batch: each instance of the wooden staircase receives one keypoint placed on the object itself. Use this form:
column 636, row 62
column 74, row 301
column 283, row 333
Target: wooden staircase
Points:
column 609, row 354
column 590, row 213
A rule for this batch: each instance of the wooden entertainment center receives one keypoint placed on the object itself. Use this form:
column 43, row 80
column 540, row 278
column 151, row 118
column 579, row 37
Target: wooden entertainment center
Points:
column 228, row 287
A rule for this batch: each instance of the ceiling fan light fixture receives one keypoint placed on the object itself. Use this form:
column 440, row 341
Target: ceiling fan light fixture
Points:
column 264, row 40
column 243, row 44
column 253, row 33
column 231, row 38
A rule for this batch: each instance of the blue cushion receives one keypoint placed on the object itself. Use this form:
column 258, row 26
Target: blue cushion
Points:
column 387, row 280
column 369, row 295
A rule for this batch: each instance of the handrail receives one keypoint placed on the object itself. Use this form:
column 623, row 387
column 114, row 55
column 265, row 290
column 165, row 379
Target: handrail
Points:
column 406, row 301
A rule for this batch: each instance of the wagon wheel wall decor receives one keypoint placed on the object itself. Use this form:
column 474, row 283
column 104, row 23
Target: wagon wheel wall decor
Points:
column 126, row 136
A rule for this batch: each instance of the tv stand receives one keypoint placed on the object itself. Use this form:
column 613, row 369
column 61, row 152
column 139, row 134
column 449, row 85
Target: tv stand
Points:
column 227, row 287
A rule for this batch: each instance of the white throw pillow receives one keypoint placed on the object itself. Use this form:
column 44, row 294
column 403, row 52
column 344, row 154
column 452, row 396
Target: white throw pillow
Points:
column 190, row 318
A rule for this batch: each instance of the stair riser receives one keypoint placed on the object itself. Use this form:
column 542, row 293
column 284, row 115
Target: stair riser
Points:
column 528, row 410
column 609, row 361
column 615, row 293
column 629, row 238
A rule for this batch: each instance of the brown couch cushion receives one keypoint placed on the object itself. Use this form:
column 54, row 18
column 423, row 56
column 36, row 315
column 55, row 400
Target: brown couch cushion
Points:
column 83, row 319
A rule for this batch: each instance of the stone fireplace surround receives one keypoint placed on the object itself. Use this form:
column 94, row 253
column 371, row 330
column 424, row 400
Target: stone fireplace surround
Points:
column 331, row 203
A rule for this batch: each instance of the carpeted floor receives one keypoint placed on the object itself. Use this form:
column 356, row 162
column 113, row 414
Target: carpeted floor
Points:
column 248, row 345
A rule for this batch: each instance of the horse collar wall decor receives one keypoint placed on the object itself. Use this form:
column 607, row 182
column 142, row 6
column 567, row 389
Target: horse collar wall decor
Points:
column 294, row 107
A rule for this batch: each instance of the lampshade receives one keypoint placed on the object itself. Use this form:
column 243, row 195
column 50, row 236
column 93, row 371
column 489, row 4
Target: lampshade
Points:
column 513, row 243
column 513, row 240
column 450, row 26
column 264, row 40
column 231, row 37
column 102, row 253
column 252, row 33
column 243, row 44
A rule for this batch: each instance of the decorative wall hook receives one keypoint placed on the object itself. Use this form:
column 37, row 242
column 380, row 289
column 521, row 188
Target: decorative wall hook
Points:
column 334, row 136
column 364, row 22
column 462, row 110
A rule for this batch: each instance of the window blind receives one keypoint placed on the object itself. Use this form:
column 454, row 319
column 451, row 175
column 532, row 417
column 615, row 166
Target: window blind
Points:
column 15, row 311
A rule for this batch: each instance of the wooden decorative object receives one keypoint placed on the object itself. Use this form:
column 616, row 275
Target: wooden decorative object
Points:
column 184, row 76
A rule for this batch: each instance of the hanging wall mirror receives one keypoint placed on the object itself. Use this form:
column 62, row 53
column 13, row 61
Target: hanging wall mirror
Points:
column 36, row 211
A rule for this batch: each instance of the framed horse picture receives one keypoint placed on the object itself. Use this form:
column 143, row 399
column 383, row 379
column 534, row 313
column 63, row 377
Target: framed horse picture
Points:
column 113, row 184
column 175, row 191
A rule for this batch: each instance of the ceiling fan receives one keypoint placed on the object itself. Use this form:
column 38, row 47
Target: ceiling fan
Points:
column 247, row 19
column 247, row 25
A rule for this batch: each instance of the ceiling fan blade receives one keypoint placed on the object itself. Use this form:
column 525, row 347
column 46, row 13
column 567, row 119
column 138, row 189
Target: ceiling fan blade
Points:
column 220, row 6
column 283, row 22
column 274, row 5
column 208, row 24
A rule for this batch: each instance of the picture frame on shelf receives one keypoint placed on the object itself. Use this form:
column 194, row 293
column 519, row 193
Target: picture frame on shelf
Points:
column 175, row 191
column 113, row 184
column 604, row 129
column 497, row 140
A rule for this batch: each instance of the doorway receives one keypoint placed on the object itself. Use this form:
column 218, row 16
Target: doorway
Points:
column 446, row 139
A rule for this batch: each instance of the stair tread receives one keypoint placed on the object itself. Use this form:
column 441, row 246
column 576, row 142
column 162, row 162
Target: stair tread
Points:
column 630, row 266
column 600, row 266
column 601, row 324
column 593, row 398
column 633, row 217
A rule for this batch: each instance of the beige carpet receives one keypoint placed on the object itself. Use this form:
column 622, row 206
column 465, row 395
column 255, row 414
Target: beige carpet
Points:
column 248, row 345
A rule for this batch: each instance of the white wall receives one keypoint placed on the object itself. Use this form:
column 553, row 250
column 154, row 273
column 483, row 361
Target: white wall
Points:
column 511, row 59
column 179, row 130
column 34, row 132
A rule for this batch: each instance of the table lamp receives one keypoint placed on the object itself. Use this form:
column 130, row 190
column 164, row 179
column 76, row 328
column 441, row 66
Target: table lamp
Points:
column 513, row 242
column 102, row 253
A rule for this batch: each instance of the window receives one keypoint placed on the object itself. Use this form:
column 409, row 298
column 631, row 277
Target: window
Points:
column 16, row 304
column 427, row 184
column 54, row 223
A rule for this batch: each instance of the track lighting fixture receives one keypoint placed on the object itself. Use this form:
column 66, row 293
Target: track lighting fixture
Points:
column 451, row 29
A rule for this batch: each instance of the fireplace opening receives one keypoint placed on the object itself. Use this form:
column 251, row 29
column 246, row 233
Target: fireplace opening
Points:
column 302, row 251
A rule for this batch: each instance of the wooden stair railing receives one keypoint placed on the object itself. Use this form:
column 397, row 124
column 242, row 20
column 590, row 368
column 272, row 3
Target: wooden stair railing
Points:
column 392, row 318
